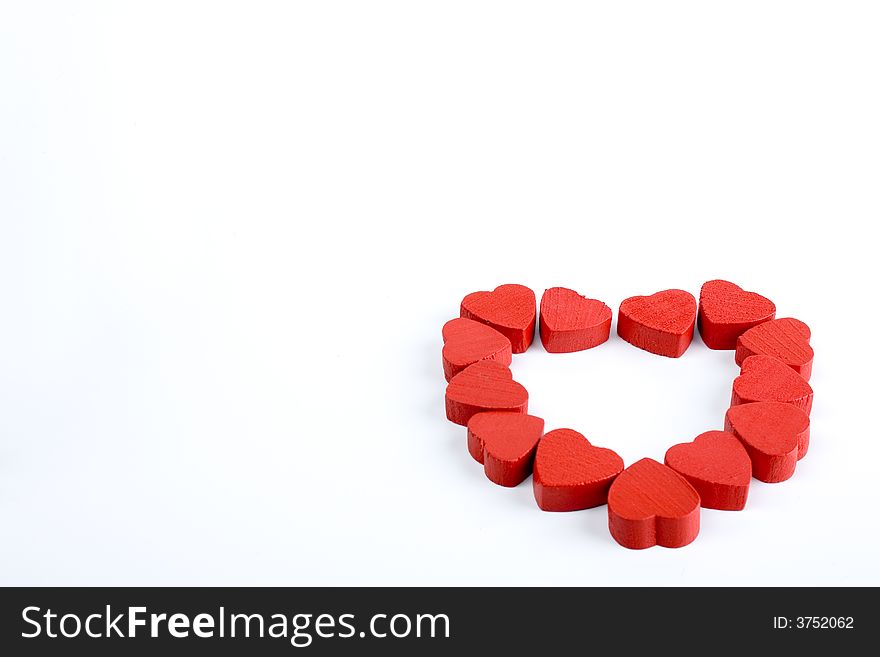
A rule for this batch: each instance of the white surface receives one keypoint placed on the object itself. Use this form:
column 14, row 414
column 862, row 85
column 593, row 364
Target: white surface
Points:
column 229, row 236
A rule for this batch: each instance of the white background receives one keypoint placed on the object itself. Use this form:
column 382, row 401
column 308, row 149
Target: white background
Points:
column 230, row 234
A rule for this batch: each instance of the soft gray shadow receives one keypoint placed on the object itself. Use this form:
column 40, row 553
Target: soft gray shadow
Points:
column 596, row 521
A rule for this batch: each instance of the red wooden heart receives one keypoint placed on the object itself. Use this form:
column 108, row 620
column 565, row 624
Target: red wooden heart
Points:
column 718, row 467
column 484, row 386
column 765, row 378
column 774, row 434
column 787, row 339
column 467, row 341
column 509, row 309
column 571, row 322
column 727, row 311
column 505, row 444
column 570, row 473
column 651, row 504
column 662, row 323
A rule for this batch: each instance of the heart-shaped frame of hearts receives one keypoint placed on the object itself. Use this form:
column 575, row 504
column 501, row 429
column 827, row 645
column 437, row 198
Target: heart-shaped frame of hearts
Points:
column 766, row 429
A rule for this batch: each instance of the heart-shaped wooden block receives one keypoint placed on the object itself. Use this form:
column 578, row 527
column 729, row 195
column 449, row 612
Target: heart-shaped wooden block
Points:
column 505, row 444
column 484, row 386
column 765, row 378
column 467, row 341
column 570, row 473
column 727, row 311
column 651, row 504
column 662, row 323
column 509, row 309
column 718, row 467
column 787, row 339
column 774, row 434
column 571, row 322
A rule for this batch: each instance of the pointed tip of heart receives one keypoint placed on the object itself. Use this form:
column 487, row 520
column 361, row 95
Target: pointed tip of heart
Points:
column 651, row 504
column 726, row 311
column 717, row 465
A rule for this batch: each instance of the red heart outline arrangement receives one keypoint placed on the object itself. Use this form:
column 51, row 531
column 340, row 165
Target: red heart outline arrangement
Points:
column 766, row 429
